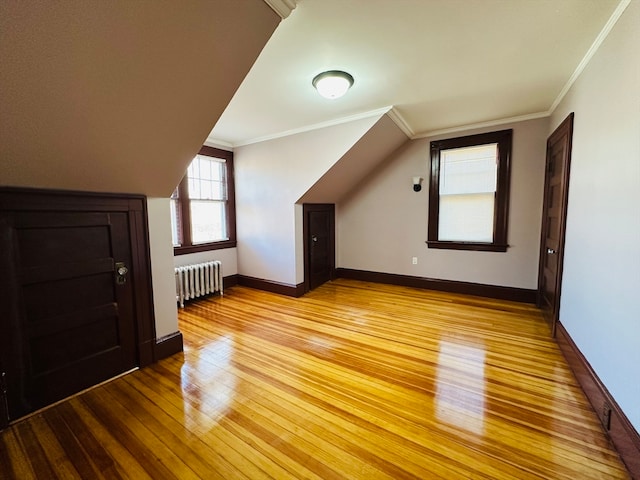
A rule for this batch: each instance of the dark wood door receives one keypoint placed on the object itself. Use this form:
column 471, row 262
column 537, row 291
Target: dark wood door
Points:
column 554, row 215
column 67, row 304
column 319, row 238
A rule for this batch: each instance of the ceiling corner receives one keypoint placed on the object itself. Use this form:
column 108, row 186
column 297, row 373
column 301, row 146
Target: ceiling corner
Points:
column 282, row 7
column 400, row 122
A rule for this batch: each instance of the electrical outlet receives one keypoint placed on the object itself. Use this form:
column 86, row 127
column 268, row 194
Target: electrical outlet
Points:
column 414, row 260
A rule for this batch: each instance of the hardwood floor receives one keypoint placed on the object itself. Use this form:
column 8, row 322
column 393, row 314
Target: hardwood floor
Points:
column 353, row 380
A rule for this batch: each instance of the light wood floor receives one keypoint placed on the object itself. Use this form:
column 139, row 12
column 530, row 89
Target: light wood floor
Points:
column 354, row 381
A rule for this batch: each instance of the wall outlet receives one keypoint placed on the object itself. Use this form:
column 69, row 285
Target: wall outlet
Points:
column 414, row 260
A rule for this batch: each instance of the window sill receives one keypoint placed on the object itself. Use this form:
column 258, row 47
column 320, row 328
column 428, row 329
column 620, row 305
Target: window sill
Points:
column 204, row 247
column 473, row 246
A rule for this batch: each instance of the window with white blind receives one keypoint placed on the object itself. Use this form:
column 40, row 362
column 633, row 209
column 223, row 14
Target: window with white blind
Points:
column 202, row 205
column 469, row 192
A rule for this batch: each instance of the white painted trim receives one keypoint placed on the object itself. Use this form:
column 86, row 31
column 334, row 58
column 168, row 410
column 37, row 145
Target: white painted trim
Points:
column 309, row 128
column 282, row 7
column 221, row 144
column 400, row 122
column 490, row 123
column 617, row 13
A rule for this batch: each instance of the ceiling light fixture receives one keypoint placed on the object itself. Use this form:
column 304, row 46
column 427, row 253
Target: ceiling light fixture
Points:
column 332, row 84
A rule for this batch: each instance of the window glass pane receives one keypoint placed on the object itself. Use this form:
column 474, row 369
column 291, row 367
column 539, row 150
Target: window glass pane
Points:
column 205, row 167
column 469, row 169
column 468, row 180
column 217, row 168
column 206, row 192
column 194, row 188
column 194, row 168
column 207, row 178
column 218, row 191
column 466, row 218
column 208, row 223
column 175, row 224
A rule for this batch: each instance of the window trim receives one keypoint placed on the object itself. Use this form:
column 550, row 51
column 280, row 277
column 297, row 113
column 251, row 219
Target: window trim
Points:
column 501, row 209
column 184, row 211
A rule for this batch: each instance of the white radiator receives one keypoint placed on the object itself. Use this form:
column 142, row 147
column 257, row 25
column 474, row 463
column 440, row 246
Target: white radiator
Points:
column 198, row 279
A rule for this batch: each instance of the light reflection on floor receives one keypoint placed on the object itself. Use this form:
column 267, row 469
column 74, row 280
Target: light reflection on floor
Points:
column 207, row 376
column 460, row 385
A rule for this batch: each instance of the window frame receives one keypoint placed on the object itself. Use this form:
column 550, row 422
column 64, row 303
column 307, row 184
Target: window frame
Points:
column 504, row 139
column 184, row 211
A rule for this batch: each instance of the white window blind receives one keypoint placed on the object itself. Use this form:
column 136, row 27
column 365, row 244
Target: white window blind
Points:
column 468, row 180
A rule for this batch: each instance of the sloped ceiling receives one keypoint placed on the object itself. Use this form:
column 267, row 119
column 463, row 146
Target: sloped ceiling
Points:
column 118, row 96
column 376, row 145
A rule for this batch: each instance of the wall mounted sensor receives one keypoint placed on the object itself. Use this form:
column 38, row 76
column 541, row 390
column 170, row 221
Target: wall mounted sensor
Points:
column 417, row 184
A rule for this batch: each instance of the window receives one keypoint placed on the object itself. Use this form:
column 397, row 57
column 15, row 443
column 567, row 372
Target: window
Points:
column 469, row 192
column 203, row 204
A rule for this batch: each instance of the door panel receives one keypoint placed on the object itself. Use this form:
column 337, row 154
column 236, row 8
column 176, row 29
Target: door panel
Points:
column 554, row 220
column 319, row 238
column 71, row 325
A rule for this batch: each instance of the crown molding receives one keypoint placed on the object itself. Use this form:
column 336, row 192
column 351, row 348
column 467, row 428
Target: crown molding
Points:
column 617, row 13
column 391, row 112
column 282, row 7
column 351, row 118
column 490, row 123
column 400, row 122
column 216, row 143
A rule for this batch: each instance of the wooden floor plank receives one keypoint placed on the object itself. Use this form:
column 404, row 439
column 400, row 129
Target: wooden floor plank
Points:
column 14, row 461
column 124, row 462
column 355, row 380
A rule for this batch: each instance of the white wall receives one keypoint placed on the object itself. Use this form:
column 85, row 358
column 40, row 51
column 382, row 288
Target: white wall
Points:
column 162, row 275
column 383, row 224
column 228, row 257
column 599, row 304
column 163, row 263
column 270, row 177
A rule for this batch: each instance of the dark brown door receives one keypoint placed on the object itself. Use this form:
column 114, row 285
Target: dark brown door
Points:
column 319, row 238
column 67, row 304
column 554, row 216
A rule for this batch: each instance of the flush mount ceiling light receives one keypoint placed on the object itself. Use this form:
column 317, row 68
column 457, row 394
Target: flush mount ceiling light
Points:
column 332, row 84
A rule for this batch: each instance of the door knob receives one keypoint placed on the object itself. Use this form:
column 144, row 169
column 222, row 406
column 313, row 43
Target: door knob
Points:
column 550, row 251
column 121, row 273
column 314, row 238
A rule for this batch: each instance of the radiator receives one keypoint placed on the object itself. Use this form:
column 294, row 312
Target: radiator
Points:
column 198, row 279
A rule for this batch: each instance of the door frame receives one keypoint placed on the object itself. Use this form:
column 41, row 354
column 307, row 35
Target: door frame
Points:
column 564, row 129
column 317, row 207
column 24, row 199
column 4, row 406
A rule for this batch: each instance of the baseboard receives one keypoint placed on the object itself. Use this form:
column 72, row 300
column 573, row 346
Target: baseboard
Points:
column 623, row 435
column 146, row 352
column 168, row 345
column 271, row 286
column 230, row 281
column 522, row 295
